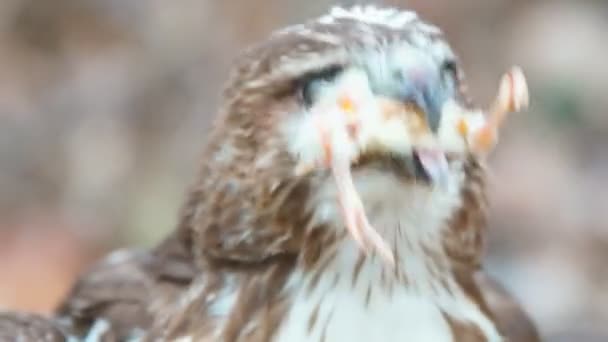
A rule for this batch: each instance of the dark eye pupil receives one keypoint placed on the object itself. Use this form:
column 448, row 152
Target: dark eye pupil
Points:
column 449, row 69
column 309, row 92
column 313, row 82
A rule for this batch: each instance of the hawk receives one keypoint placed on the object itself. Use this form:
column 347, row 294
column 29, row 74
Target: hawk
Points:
column 341, row 197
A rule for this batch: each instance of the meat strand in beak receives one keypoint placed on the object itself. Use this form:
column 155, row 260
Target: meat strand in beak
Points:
column 353, row 211
column 512, row 97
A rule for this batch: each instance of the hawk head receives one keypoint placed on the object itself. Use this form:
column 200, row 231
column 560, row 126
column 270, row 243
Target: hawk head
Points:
column 373, row 92
column 377, row 55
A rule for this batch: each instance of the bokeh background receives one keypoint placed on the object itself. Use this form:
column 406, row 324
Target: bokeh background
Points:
column 105, row 104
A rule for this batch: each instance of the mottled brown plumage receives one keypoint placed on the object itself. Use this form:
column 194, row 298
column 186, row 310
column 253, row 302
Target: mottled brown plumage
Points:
column 29, row 327
column 125, row 288
column 262, row 252
column 250, row 215
column 512, row 320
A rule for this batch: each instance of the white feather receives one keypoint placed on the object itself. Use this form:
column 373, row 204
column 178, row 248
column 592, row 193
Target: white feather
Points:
column 412, row 312
column 371, row 15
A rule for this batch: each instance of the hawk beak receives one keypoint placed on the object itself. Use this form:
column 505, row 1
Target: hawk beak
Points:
column 429, row 160
column 418, row 98
column 433, row 119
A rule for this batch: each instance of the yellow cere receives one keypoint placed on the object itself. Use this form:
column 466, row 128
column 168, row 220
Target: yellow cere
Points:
column 346, row 104
column 463, row 127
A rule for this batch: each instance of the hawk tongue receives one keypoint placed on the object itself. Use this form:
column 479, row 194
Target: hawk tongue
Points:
column 353, row 212
column 435, row 165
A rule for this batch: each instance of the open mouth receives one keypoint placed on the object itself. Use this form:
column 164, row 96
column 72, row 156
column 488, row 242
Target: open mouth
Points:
column 421, row 165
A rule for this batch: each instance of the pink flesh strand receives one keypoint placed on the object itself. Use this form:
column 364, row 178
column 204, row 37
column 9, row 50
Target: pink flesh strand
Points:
column 353, row 212
column 354, row 215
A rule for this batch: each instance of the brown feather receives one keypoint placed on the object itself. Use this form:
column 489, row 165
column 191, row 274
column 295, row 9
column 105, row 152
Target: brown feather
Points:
column 29, row 327
column 513, row 322
column 126, row 288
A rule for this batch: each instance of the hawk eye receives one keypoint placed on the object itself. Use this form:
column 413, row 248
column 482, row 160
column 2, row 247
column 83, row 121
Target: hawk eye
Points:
column 449, row 70
column 311, row 85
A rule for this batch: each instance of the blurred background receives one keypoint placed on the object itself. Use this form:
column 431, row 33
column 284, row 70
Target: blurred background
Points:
column 105, row 104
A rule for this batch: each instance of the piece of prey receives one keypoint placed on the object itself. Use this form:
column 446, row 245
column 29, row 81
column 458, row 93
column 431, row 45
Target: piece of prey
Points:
column 342, row 119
